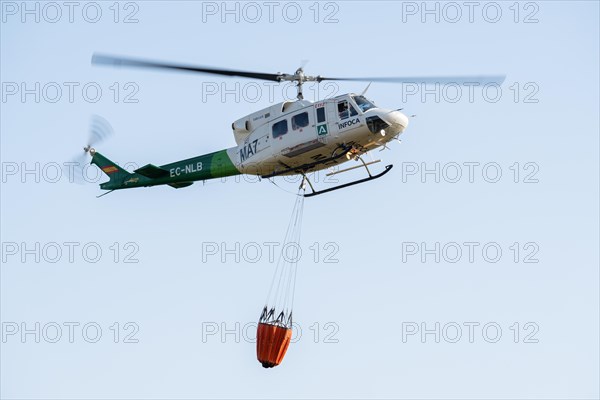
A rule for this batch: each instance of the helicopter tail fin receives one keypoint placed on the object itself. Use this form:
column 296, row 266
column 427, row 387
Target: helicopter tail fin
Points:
column 116, row 174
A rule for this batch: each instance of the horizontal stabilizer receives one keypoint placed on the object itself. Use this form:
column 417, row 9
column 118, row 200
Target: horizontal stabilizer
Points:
column 152, row 171
column 179, row 185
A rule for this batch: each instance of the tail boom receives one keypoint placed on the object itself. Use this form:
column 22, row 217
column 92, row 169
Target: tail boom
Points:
column 178, row 174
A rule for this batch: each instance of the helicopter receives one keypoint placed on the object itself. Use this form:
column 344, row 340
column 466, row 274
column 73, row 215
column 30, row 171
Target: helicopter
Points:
column 294, row 137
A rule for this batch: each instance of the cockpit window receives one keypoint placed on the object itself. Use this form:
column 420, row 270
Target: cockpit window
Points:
column 363, row 103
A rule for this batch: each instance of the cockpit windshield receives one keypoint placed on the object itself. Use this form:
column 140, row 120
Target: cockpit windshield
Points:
column 363, row 103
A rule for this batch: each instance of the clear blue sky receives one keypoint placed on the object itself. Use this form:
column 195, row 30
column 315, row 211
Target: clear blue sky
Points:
column 377, row 290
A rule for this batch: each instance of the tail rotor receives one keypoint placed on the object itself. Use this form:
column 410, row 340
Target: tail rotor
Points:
column 100, row 130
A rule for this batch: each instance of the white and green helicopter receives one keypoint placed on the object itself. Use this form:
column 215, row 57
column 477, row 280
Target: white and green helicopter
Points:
column 288, row 138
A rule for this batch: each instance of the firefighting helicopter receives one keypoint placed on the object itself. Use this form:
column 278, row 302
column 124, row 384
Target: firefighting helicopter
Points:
column 287, row 138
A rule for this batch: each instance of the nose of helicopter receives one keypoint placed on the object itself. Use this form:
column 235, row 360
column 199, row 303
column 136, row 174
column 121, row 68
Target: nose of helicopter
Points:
column 398, row 120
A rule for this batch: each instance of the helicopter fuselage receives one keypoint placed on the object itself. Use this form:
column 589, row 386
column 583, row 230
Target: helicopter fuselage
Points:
column 285, row 139
column 296, row 133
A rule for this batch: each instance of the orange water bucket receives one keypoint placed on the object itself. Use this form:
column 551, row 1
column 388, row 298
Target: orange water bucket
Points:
column 272, row 342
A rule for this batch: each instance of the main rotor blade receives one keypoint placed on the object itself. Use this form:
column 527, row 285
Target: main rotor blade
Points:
column 481, row 79
column 101, row 59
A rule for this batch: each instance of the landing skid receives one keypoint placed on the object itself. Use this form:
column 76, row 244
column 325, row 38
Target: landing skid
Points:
column 370, row 178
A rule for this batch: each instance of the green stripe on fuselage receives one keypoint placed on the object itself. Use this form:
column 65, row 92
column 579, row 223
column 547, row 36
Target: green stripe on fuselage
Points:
column 221, row 165
column 207, row 166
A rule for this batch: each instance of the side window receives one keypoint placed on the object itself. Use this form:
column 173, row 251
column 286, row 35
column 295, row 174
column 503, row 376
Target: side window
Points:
column 320, row 115
column 280, row 128
column 343, row 109
column 300, row 121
